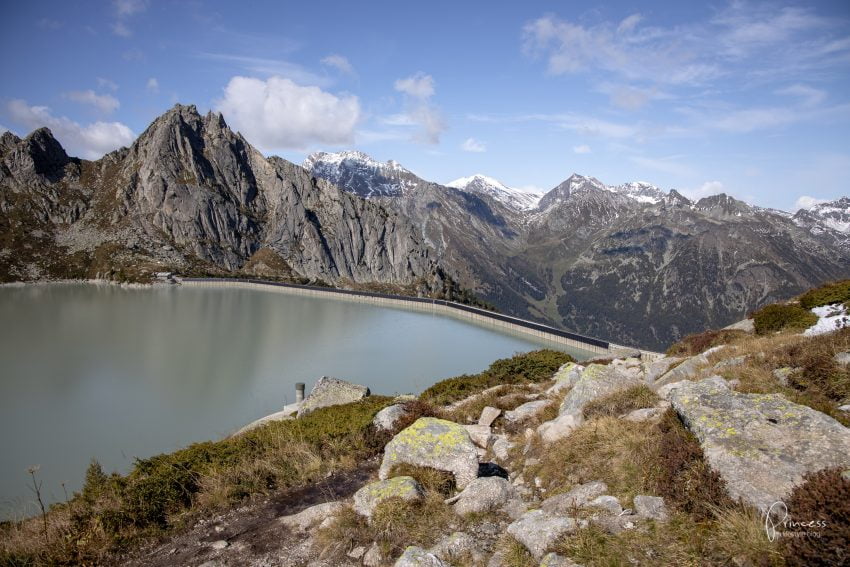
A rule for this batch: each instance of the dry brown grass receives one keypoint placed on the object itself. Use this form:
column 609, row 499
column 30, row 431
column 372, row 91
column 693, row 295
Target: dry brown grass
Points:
column 701, row 342
column 621, row 402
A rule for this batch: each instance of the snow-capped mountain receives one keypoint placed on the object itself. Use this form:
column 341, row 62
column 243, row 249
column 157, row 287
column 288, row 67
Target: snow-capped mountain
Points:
column 834, row 215
column 641, row 191
column 508, row 196
column 360, row 174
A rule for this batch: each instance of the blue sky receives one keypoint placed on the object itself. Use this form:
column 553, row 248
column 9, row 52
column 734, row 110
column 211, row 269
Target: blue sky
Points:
column 749, row 98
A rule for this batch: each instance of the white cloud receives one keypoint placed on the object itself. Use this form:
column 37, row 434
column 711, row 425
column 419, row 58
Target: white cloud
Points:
column 629, row 23
column 582, row 149
column 810, row 96
column 90, row 141
column 271, row 68
column 705, row 190
column 103, row 103
column 152, row 85
column 121, row 29
column 339, row 63
column 806, row 202
column 125, row 8
column 419, row 88
column 280, row 114
column 107, row 84
column 419, row 85
column 473, row 145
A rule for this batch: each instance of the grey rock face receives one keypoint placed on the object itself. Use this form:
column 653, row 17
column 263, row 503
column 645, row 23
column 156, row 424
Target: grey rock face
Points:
column 607, row 503
column 489, row 415
column 761, row 445
column 435, row 443
column 525, row 411
column 559, row 428
column 566, row 377
column 651, row 507
column 386, row 418
column 311, row 516
column 538, row 531
column 596, row 382
column 331, row 392
column 373, row 556
column 417, row 557
column 555, row 560
column 455, row 545
column 687, row 370
column 656, row 369
column 484, row 494
column 481, row 435
column 367, row 498
column 575, row 498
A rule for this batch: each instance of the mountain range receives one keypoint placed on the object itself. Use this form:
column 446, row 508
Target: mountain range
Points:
column 630, row 263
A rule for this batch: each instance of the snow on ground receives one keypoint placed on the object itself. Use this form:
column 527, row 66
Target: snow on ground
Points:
column 831, row 318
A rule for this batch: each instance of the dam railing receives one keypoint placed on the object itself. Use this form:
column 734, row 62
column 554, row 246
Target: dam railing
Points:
column 451, row 308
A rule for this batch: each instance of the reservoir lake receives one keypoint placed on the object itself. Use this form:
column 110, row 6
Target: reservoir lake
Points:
column 113, row 373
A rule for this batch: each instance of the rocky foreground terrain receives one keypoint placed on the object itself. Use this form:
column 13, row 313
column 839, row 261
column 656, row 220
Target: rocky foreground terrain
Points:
column 733, row 449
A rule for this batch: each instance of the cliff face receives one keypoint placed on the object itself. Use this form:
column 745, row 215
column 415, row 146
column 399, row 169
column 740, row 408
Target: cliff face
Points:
column 191, row 193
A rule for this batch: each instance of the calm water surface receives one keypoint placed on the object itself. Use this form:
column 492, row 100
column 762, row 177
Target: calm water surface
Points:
column 97, row 371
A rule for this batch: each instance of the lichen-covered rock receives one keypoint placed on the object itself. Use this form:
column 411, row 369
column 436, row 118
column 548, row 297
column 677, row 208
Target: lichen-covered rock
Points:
column 559, row 428
column 435, row 443
column 332, row 392
column 538, row 531
column 311, row 516
column 481, row 435
column 373, row 557
column 689, row 369
column 386, row 419
column 525, row 411
column 596, row 381
column 566, row 377
column 761, row 444
column 657, row 368
column 577, row 497
column 417, row 557
column 607, row 503
column 367, row 498
column 456, row 545
column 651, row 507
column 502, row 447
column 484, row 494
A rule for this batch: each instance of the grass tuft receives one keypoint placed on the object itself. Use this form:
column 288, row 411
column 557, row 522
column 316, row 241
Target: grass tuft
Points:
column 621, row 402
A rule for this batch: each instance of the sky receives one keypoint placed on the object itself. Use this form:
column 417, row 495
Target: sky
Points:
column 747, row 98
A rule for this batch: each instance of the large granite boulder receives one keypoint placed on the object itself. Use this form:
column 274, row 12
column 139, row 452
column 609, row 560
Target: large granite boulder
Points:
column 575, row 498
column 311, row 516
column 483, row 495
column 435, row 443
column 386, row 419
column 525, row 411
column 655, row 369
column 367, row 498
column 332, row 392
column 566, row 377
column 596, row 381
column 538, row 531
column 689, row 369
column 761, row 444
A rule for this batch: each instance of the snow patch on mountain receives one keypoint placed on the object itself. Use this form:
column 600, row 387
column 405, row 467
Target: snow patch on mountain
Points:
column 508, row 196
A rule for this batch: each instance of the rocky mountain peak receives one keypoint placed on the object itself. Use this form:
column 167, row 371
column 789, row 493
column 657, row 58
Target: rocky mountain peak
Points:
column 676, row 199
column 37, row 155
column 484, row 185
column 832, row 215
column 359, row 173
column 724, row 204
column 8, row 141
column 571, row 186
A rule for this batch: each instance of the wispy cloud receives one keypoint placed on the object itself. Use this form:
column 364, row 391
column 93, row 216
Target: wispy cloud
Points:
column 707, row 189
column 266, row 67
column 419, row 89
column 107, row 84
column 105, row 103
column 473, row 145
column 810, row 96
column 339, row 63
column 124, row 10
column 807, row 202
column 152, row 86
column 582, row 149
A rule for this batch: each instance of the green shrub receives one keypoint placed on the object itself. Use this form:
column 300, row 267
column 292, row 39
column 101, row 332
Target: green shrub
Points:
column 701, row 342
column 837, row 292
column 534, row 366
column 621, row 402
column 821, row 498
column 778, row 317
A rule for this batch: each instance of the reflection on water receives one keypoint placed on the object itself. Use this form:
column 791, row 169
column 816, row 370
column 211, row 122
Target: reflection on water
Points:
column 112, row 373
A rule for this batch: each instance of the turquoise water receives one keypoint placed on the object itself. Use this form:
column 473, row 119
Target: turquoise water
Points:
column 105, row 372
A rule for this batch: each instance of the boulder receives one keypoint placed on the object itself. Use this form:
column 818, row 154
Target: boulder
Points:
column 417, row 557
column 311, row 516
column 653, row 370
column 651, row 507
column 607, row 503
column 782, row 374
column 538, row 531
column 484, row 494
column 456, row 545
column 614, row 524
column 730, row 363
column 559, row 428
column 331, row 392
column 386, row 419
column 435, row 443
column 665, row 391
column 761, row 444
column 746, row 325
column 566, row 377
column 481, row 435
column 645, row 414
column 367, row 498
column 489, row 415
column 596, row 382
column 689, row 369
column 373, row 556
column 501, row 447
column 575, row 498
column 526, row 411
